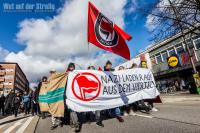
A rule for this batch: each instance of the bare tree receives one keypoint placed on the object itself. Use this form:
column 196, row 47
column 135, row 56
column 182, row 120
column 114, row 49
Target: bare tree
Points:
column 169, row 17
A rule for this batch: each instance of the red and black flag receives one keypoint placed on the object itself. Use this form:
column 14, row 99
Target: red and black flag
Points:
column 105, row 34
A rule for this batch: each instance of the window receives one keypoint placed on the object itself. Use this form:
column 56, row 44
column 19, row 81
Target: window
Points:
column 158, row 58
column 9, row 70
column 164, row 56
column 171, row 51
column 197, row 43
column 7, row 83
column 9, row 77
column 179, row 49
column 153, row 61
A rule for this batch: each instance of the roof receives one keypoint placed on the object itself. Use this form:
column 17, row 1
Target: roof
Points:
column 15, row 64
column 163, row 42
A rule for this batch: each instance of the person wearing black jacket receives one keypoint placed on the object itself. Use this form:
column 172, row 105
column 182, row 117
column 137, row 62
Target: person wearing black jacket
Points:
column 36, row 97
column 2, row 102
column 16, row 103
column 116, row 112
column 8, row 102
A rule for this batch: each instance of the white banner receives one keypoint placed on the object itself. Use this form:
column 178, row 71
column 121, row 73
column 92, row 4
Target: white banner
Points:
column 98, row 90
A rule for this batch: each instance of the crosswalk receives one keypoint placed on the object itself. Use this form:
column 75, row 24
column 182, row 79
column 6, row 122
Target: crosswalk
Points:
column 19, row 125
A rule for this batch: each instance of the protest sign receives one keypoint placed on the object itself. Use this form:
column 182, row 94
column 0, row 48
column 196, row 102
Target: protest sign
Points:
column 98, row 90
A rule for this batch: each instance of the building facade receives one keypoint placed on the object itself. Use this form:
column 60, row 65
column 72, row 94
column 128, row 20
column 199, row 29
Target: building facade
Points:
column 12, row 78
column 158, row 55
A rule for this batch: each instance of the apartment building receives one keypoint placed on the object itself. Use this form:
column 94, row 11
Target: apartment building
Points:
column 12, row 78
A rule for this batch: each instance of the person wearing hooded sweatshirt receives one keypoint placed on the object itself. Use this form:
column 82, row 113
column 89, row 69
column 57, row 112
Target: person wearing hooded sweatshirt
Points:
column 8, row 102
column 116, row 111
column 16, row 103
column 73, row 114
column 26, row 100
column 97, row 113
column 2, row 102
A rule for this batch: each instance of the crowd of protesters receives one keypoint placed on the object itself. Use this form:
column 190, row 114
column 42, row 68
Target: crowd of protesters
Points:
column 15, row 103
column 29, row 102
column 74, row 117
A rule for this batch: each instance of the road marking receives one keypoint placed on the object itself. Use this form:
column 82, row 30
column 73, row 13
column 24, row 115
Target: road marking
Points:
column 14, row 126
column 2, row 126
column 25, row 125
column 146, row 116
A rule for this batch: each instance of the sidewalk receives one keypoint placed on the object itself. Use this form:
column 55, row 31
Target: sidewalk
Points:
column 20, row 124
column 180, row 97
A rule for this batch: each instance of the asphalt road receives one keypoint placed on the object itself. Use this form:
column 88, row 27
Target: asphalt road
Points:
column 180, row 117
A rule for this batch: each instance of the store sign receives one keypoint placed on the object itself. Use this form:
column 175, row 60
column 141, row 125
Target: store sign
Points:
column 173, row 61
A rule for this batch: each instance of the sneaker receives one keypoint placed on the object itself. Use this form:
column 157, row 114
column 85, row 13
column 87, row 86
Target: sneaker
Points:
column 60, row 125
column 120, row 119
column 125, row 114
column 154, row 109
column 100, row 124
column 53, row 127
column 132, row 113
column 77, row 128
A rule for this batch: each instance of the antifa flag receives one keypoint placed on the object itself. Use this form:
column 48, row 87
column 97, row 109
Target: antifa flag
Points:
column 105, row 34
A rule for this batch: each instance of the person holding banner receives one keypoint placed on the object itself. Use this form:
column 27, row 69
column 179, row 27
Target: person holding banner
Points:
column 127, row 108
column 97, row 113
column 116, row 111
column 37, row 91
column 73, row 114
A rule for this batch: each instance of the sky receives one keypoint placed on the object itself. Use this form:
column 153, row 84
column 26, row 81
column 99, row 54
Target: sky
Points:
column 50, row 39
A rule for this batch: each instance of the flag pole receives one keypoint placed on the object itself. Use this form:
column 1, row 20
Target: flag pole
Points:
column 88, row 48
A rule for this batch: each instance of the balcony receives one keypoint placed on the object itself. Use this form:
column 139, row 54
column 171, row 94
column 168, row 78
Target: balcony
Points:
column 2, row 73
column 1, row 86
column 2, row 79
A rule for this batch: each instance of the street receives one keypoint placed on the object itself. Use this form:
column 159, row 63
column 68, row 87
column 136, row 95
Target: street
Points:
column 179, row 116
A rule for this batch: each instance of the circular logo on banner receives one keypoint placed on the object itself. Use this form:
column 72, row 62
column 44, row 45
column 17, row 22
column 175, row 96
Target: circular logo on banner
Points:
column 105, row 33
column 86, row 86
column 173, row 61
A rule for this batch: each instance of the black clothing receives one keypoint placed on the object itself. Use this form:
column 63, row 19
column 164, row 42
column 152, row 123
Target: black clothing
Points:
column 108, row 69
column 16, row 104
column 2, row 103
column 9, row 102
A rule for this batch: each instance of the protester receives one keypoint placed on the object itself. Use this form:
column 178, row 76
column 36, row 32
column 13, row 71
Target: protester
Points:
column 26, row 100
column 116, row 112
column 37, row 91
column 127, row 109
column 34, row 104
column 97, row 113
column 73, row 114
column 16, row 103
column 8, row 102
column 121, row 68
column 56, row 121
column 183, row 86
column 2, row 102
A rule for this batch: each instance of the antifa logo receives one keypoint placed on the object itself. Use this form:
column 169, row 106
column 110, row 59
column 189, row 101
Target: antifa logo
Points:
column 88, row 86
column 105, row 32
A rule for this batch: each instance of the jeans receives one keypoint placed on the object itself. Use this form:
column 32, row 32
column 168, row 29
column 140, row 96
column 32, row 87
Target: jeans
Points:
column 35, row 108
column 74, row 118
column 2, row 109
column 114, row 112
column 98, row 116
column 55, row 120
column 26, row 108
column 16, row 107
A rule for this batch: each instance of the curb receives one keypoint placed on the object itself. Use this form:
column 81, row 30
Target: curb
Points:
column 179, row 99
